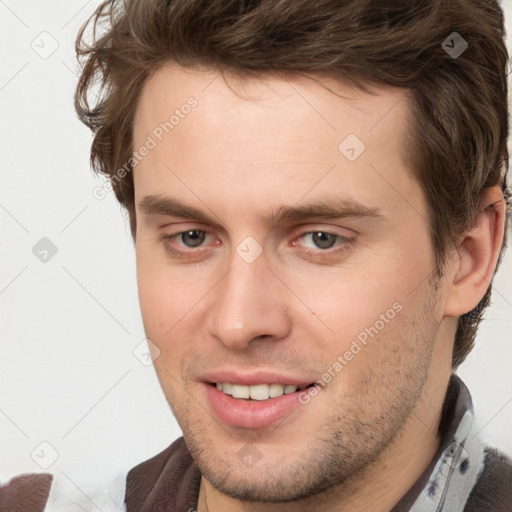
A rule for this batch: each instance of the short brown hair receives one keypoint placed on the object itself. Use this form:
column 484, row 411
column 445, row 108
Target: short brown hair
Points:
column 459, row 102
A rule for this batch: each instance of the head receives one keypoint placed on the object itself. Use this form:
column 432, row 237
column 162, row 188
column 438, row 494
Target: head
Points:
column 259, row 118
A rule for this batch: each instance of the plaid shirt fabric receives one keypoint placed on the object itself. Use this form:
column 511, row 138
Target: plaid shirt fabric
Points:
column 463, row 476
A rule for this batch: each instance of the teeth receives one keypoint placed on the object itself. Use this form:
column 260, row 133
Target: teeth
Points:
column 240, row 391
column 257, row 392
column 290, row 388
column 275, row 390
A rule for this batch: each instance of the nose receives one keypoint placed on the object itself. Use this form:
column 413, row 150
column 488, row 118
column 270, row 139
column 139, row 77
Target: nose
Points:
column 249, row 303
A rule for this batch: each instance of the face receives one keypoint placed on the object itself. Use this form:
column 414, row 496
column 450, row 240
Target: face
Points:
column 282, row 247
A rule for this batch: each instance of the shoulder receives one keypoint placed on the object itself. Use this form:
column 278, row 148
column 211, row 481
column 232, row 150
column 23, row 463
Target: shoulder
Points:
column 25, row 492
column 493, row 489
column 57, row 492
column 167, row 481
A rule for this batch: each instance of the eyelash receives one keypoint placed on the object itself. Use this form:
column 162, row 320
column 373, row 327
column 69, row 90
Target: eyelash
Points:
column 342, row 246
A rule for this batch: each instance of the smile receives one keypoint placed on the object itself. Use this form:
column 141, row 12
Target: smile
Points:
column 258, row 391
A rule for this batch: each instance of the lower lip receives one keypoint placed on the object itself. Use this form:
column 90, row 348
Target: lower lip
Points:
column 250, row 413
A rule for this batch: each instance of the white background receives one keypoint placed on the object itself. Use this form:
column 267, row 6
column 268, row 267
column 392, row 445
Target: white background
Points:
column 68, row 375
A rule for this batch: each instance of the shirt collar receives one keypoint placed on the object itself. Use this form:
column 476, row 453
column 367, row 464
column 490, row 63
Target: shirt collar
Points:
column 450, row 477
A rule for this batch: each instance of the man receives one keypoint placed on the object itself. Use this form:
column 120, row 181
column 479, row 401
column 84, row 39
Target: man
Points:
column 317, row 195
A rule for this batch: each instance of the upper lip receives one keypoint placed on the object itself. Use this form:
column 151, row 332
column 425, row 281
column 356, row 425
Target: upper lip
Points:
column 254, row 377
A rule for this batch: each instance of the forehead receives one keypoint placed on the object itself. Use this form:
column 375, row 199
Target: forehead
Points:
column 273, row 131
column 331, row 104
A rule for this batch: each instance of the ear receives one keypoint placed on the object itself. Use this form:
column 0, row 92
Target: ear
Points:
column 471, row 269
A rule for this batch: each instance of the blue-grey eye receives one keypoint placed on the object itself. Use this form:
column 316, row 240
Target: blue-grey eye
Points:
column 324, row 240
column 193, row 238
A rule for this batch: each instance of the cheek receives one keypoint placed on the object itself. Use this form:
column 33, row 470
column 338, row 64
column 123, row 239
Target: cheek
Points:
column 160, row 306
column 352, row 303
column 367, row 315
column 158, row 298
column 171, row 301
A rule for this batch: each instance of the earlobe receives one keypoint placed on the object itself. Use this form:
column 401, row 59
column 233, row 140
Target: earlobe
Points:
column 477, row 255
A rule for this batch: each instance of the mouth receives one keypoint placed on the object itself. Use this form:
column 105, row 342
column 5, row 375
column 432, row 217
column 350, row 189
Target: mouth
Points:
column 256, row 399
column 258, row 392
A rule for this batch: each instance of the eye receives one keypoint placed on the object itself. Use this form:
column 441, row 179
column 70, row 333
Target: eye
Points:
column 322, row 239
column 192, row 238
column 186, row 244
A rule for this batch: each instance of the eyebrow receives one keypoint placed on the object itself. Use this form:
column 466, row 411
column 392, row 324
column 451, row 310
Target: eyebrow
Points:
column 328, row 208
